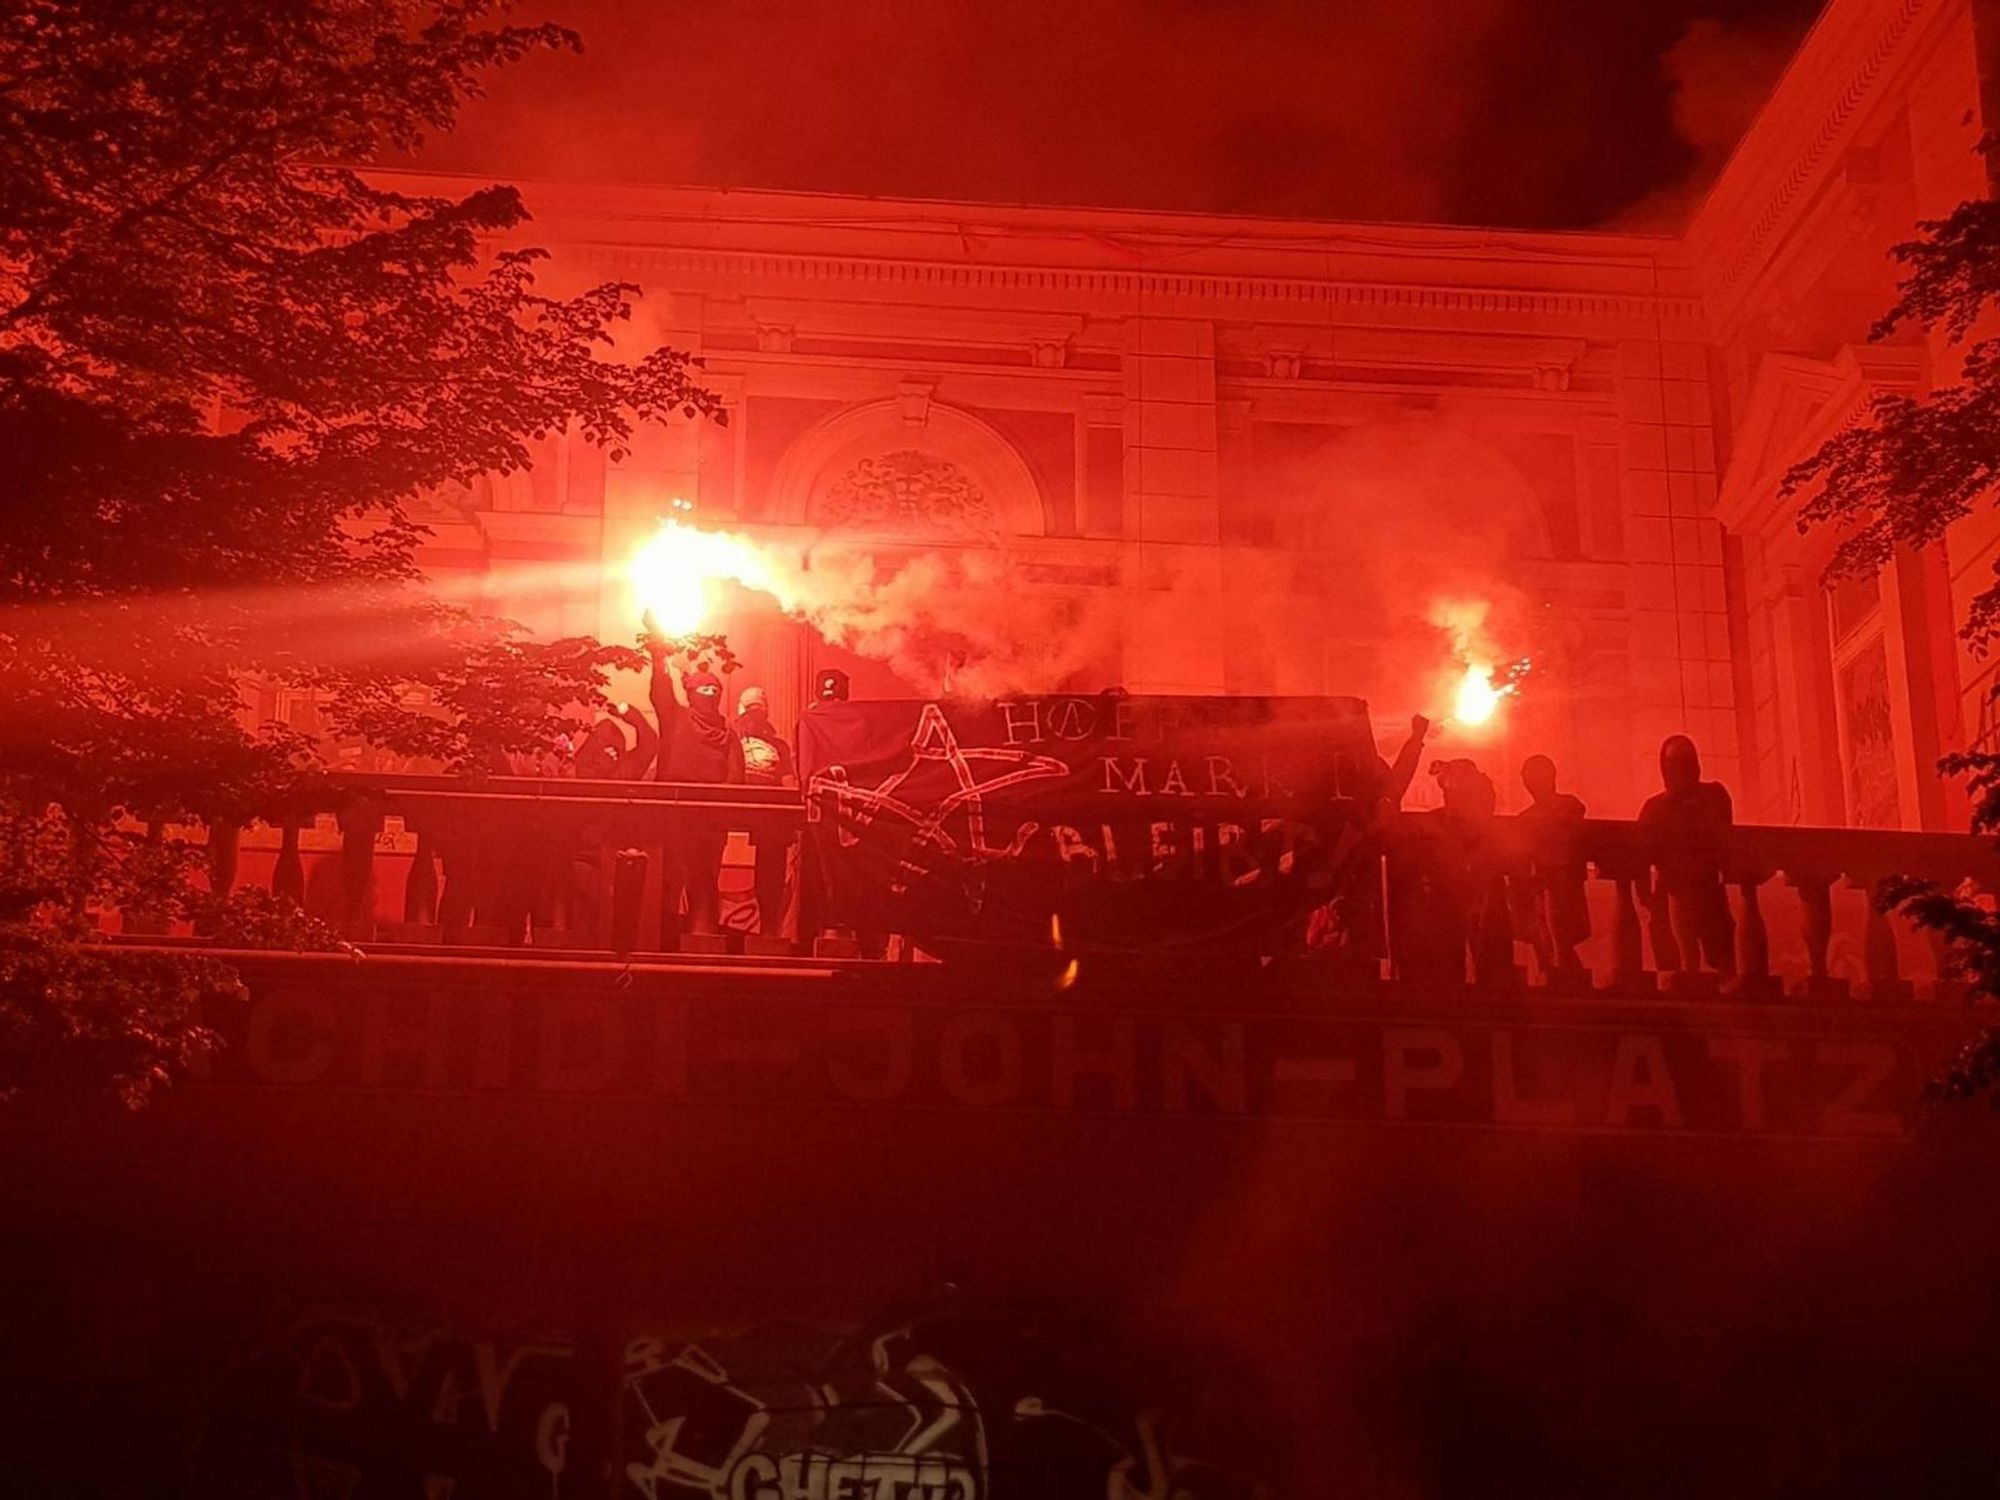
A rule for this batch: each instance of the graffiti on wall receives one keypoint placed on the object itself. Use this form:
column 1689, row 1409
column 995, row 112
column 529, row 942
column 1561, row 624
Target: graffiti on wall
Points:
column 348, row 1406
column 951, row 1402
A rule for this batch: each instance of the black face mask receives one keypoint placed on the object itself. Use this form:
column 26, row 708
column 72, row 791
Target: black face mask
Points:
column 756, row 720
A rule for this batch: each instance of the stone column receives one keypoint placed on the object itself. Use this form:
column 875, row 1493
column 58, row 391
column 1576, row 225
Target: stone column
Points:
column 1683, row 681
column 1923, row 685
column 1172, row 513
column 1811, row 738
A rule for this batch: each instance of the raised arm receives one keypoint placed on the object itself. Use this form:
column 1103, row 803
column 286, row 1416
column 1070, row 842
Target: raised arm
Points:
column 636, row 762
column 668, row 688
column 1404, row 771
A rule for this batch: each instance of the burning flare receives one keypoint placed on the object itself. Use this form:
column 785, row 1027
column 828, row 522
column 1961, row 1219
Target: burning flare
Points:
column 1482, row 683
column 675, row 572
column 1480, row 694
column 963, row 621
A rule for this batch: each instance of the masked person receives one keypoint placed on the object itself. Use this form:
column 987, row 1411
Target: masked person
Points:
column 619, row 747
column 607, row 755
column 832, row 892
column 1351, row 925
column 767, row 761
column 1685, row 831
column 1554, row 913
column 696, row 745
column 1471, row 886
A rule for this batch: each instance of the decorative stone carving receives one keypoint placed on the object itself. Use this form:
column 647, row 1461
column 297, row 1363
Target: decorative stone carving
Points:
column 957, row 448
column 912, row 495
column 1551, row 377
column 913, row 401
column 773, row 338
column 1284, row 364
column 1103, row 410
column 450, row 502
column 1050, row 354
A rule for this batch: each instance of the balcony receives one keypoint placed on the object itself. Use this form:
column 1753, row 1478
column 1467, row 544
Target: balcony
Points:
column 398, row 863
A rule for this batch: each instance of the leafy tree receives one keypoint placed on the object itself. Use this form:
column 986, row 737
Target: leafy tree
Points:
column 1903, row 478
column 229, row 362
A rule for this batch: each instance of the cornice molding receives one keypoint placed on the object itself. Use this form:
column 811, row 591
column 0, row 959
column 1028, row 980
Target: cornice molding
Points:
column 1796, row 142
column 1134, row 287
column 872, row 323
column 1838, row 391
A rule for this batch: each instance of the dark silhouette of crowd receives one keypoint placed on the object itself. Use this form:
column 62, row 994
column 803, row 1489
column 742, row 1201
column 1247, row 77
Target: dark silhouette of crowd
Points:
column 1462, row 897
column 1444, row 896
column 546, row 874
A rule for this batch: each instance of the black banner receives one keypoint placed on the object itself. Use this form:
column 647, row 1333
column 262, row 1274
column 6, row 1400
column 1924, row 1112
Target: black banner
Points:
column 1142, row 823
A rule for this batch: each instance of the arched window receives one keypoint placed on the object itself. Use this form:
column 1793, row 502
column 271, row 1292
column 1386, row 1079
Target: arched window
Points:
column 897, row 471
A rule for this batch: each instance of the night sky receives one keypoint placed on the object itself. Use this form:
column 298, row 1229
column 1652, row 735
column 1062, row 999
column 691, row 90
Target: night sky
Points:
column 1533, row 113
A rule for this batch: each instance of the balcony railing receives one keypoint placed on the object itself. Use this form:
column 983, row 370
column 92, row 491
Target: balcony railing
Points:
column 403, row 860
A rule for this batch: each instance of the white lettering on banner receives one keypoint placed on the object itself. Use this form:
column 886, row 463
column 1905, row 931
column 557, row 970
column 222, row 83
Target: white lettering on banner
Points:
column 1122, row 725
column 1235, row 865
column 1023, row 720
column 1072, row 719
column 863, row 1476
column 1273, row 787
column 1073, row 847
column 1117, row 780
column 1222, row 778
column 1133, row 777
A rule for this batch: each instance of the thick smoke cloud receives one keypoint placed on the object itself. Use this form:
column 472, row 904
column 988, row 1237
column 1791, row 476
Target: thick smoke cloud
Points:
column 1411, row 529
column 969, row 623
column 1529, row 112
column 1719, row 76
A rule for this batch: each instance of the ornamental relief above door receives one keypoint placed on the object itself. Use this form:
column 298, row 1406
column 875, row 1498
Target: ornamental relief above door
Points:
column 941, row 478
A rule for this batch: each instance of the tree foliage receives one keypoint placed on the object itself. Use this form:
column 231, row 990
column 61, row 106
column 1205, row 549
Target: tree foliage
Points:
column 1903, row 478
column 1918, row 465
column 230, row 361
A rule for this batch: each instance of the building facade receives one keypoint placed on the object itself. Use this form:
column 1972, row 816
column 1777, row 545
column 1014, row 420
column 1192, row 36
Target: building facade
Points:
column 1270, row 449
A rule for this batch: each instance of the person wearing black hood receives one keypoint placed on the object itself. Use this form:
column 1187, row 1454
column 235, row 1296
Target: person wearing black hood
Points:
column 1685, row 829
column 767, row 761
column 604, row 756
column 696, row 745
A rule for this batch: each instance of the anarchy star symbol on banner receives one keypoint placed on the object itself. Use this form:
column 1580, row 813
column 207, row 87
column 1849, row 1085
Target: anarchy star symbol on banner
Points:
column 953, row 825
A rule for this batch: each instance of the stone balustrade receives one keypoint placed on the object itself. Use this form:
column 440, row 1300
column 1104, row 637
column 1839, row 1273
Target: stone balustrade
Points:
column 1806, row 922
column 1803, row 902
